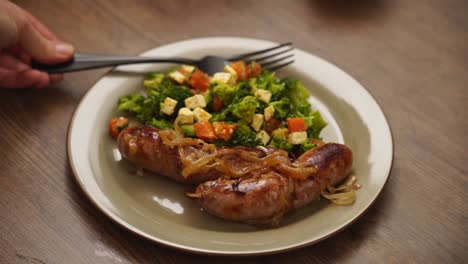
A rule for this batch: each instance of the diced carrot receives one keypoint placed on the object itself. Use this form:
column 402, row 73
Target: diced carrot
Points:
column 218, row 104
column 241, row 69
column 296, row 124
column 254, row 69
column 199, row 80
column 223, row 131
column 116, row 125
column 204, row 131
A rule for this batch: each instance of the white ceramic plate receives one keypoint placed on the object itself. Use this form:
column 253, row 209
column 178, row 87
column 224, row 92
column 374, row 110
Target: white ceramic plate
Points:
column 156, row 208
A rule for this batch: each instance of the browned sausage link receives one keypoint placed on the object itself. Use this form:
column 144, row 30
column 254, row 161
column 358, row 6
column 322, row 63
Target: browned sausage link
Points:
column 264, row 199
column 261, row 199
column 143, row 146
column 333, row 162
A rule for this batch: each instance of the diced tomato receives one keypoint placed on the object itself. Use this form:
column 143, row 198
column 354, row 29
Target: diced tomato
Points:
column 116, row 125
column 254, row 69
column 199, row 80
column 218, row 104
column 296, row 124
column 204, row 131
column 272, row 124
column 241, row 69
column 223, row 131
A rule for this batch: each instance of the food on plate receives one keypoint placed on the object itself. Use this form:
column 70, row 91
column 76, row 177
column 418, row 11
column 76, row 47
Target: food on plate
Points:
column 248, row 139
column 263, row 198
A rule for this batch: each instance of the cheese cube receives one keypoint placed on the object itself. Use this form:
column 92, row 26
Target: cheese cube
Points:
column 230, row 70
column 257, row 122
column 187, row 68
column 224, row 77
column 263, row 95
column 185, row 116
column 195, row 101
column 269, row 112
column 201, row 114
column 177, row 76
column 263, row 135
column 168, row 106
column 296, row 138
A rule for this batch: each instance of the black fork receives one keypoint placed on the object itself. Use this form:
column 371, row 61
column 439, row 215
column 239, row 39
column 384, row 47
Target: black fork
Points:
column 272, row 59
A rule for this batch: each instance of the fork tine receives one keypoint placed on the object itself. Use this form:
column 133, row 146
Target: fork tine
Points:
column 260, row 59
column 266, row 64
column 277, row 67
column 245, row 55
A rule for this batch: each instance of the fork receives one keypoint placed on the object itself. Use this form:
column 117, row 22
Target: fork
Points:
column 272, row 59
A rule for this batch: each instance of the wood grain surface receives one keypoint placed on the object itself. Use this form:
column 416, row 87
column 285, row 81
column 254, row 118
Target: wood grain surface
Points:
column 411, row 55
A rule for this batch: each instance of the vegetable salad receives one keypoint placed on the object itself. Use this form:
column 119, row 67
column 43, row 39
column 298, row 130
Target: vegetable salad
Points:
column 243, row 106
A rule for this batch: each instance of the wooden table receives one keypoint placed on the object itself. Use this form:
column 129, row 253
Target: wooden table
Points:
column 411, row 55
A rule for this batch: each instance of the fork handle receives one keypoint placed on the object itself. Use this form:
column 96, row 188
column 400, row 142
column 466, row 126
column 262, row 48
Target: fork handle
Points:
column 86, row 61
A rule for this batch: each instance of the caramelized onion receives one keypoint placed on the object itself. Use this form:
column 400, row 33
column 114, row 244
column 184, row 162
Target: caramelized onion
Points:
column 198, row 156
column 344, row 194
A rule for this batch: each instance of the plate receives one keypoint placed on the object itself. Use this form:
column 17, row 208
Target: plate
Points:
column 156, row 208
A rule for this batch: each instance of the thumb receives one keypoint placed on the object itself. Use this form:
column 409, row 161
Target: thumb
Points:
column 40, row 48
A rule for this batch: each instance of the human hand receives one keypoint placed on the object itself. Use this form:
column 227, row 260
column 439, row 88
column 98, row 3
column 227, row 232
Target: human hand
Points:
column 22, row 38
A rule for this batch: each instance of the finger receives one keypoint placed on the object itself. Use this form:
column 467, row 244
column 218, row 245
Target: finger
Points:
column 18, row 27
column 29, row 78
column 19, row 54
column 42, row 28
column 11, row 63
column 8, row 26
column 43, row 81
column 42, row 49
column 55, row 78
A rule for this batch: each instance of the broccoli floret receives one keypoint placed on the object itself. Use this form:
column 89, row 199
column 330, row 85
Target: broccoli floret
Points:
column 304, row 147
column 243, row 90
column 188, row 130
column 261, row 107
column 262, row 81
column 244, row 136
column 158, row 88
column 280, row 133
column 245, row 109
column 218, row 117
column 153, row 80
column 131, row 103
column 280, row 143
column 282, row 107
column 267, row 81
column 176, row 92
column 277, row 90
column 225, row 92
column 150, row 108
column 298, row 94
column 157, row 96
column 315, row 124
column 161, row 123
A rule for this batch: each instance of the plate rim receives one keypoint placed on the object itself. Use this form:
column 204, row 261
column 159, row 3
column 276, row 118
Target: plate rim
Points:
column 201, row 251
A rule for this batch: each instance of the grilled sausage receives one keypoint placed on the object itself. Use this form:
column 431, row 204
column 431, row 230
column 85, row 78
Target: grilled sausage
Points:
column 264, row 199
column 143, row 146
